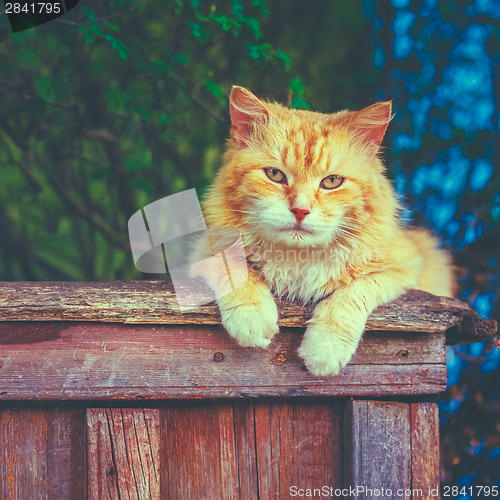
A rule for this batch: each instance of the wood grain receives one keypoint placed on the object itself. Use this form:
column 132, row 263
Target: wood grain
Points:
column 123, row 454
column 299, row 444
column 244, row 434
column 377, row 441
column 128, row 341
column 81, row 361
column 41, row 453
column 65, row 453
column 230, row 488
column 425, row 469
column 155, row 302
column 248, row 450
column 198, row 461
column 23, row 464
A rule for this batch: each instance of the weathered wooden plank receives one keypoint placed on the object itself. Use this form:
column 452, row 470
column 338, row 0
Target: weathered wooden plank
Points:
column 101, row 471
column 123, row 454
column 299, row 446
column 267, row 464
column 248, row 450
column 361, row 381
column 65, row 453
column 41, row 453
column 377, row 440
column 23, row 454
column 244, row 433
column 155, row 302
column 99, row 361
column 228, row 453
column 318, row 443
column 282, row 444
column 192, row 442
column 425, row 471
column 379, row 348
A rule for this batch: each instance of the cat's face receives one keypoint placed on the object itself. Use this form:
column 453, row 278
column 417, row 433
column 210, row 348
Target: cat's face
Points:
column 301, row 178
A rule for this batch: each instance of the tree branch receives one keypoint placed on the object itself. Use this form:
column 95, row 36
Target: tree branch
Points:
column 197, row 101
column 89, row 217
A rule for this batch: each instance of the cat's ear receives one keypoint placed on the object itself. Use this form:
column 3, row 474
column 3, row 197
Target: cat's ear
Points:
column 371, row 123
column 245, row 110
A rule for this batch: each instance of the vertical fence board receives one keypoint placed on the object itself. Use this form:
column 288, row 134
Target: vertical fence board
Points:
column 250, row 450
column 23, row 454
column 149, row 447
column 122, row 454
column 425, row 448
column 101, row 472
column 282, row 443
column 244, row 428
column 267, row 464
column 298, row 445
column 228, row 454
column 65, row 453
column 41, row 453
column 222, row 449
column 192, row 451
column 377, row 441
column 318, row 444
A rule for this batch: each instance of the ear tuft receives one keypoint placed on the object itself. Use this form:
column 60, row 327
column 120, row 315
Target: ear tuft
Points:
column 371, row 123
column 245, row 109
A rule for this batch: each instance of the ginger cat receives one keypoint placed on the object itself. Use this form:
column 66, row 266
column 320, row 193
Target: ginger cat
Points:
column 320, row 224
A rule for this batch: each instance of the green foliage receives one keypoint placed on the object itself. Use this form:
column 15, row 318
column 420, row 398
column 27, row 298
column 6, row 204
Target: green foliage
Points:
column 296, row 88
column 118, row 104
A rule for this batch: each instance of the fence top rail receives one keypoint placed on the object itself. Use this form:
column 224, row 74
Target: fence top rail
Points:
column 154, row 302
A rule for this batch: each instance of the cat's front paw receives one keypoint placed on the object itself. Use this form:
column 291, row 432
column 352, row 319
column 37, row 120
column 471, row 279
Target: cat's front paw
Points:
column 324, row 351
column 252, row 324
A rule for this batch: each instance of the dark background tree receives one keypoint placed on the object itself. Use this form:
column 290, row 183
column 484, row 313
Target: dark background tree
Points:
column 118, row 104
column 439, row 64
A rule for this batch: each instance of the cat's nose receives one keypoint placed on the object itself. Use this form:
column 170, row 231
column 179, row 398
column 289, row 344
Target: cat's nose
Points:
column 299, row 213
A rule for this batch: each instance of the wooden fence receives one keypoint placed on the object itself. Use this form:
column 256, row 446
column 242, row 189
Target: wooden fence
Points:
column 109, row 392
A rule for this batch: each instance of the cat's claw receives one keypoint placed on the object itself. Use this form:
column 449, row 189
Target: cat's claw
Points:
column 325, row 352
column 250, row 325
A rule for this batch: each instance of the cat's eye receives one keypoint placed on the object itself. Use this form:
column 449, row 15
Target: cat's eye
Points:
column 331, row 182
column 275, row 175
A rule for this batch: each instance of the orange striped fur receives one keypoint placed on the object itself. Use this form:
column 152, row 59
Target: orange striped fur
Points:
column 343, row 249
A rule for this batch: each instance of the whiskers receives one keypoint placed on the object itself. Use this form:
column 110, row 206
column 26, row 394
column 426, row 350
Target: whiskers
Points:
column 251, row 212
column 349, row 234
column 349, row 231
column 297, row 236
column 356, row 221
column 251, row 216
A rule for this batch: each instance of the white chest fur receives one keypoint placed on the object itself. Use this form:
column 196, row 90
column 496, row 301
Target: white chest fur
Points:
column 302, row 274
